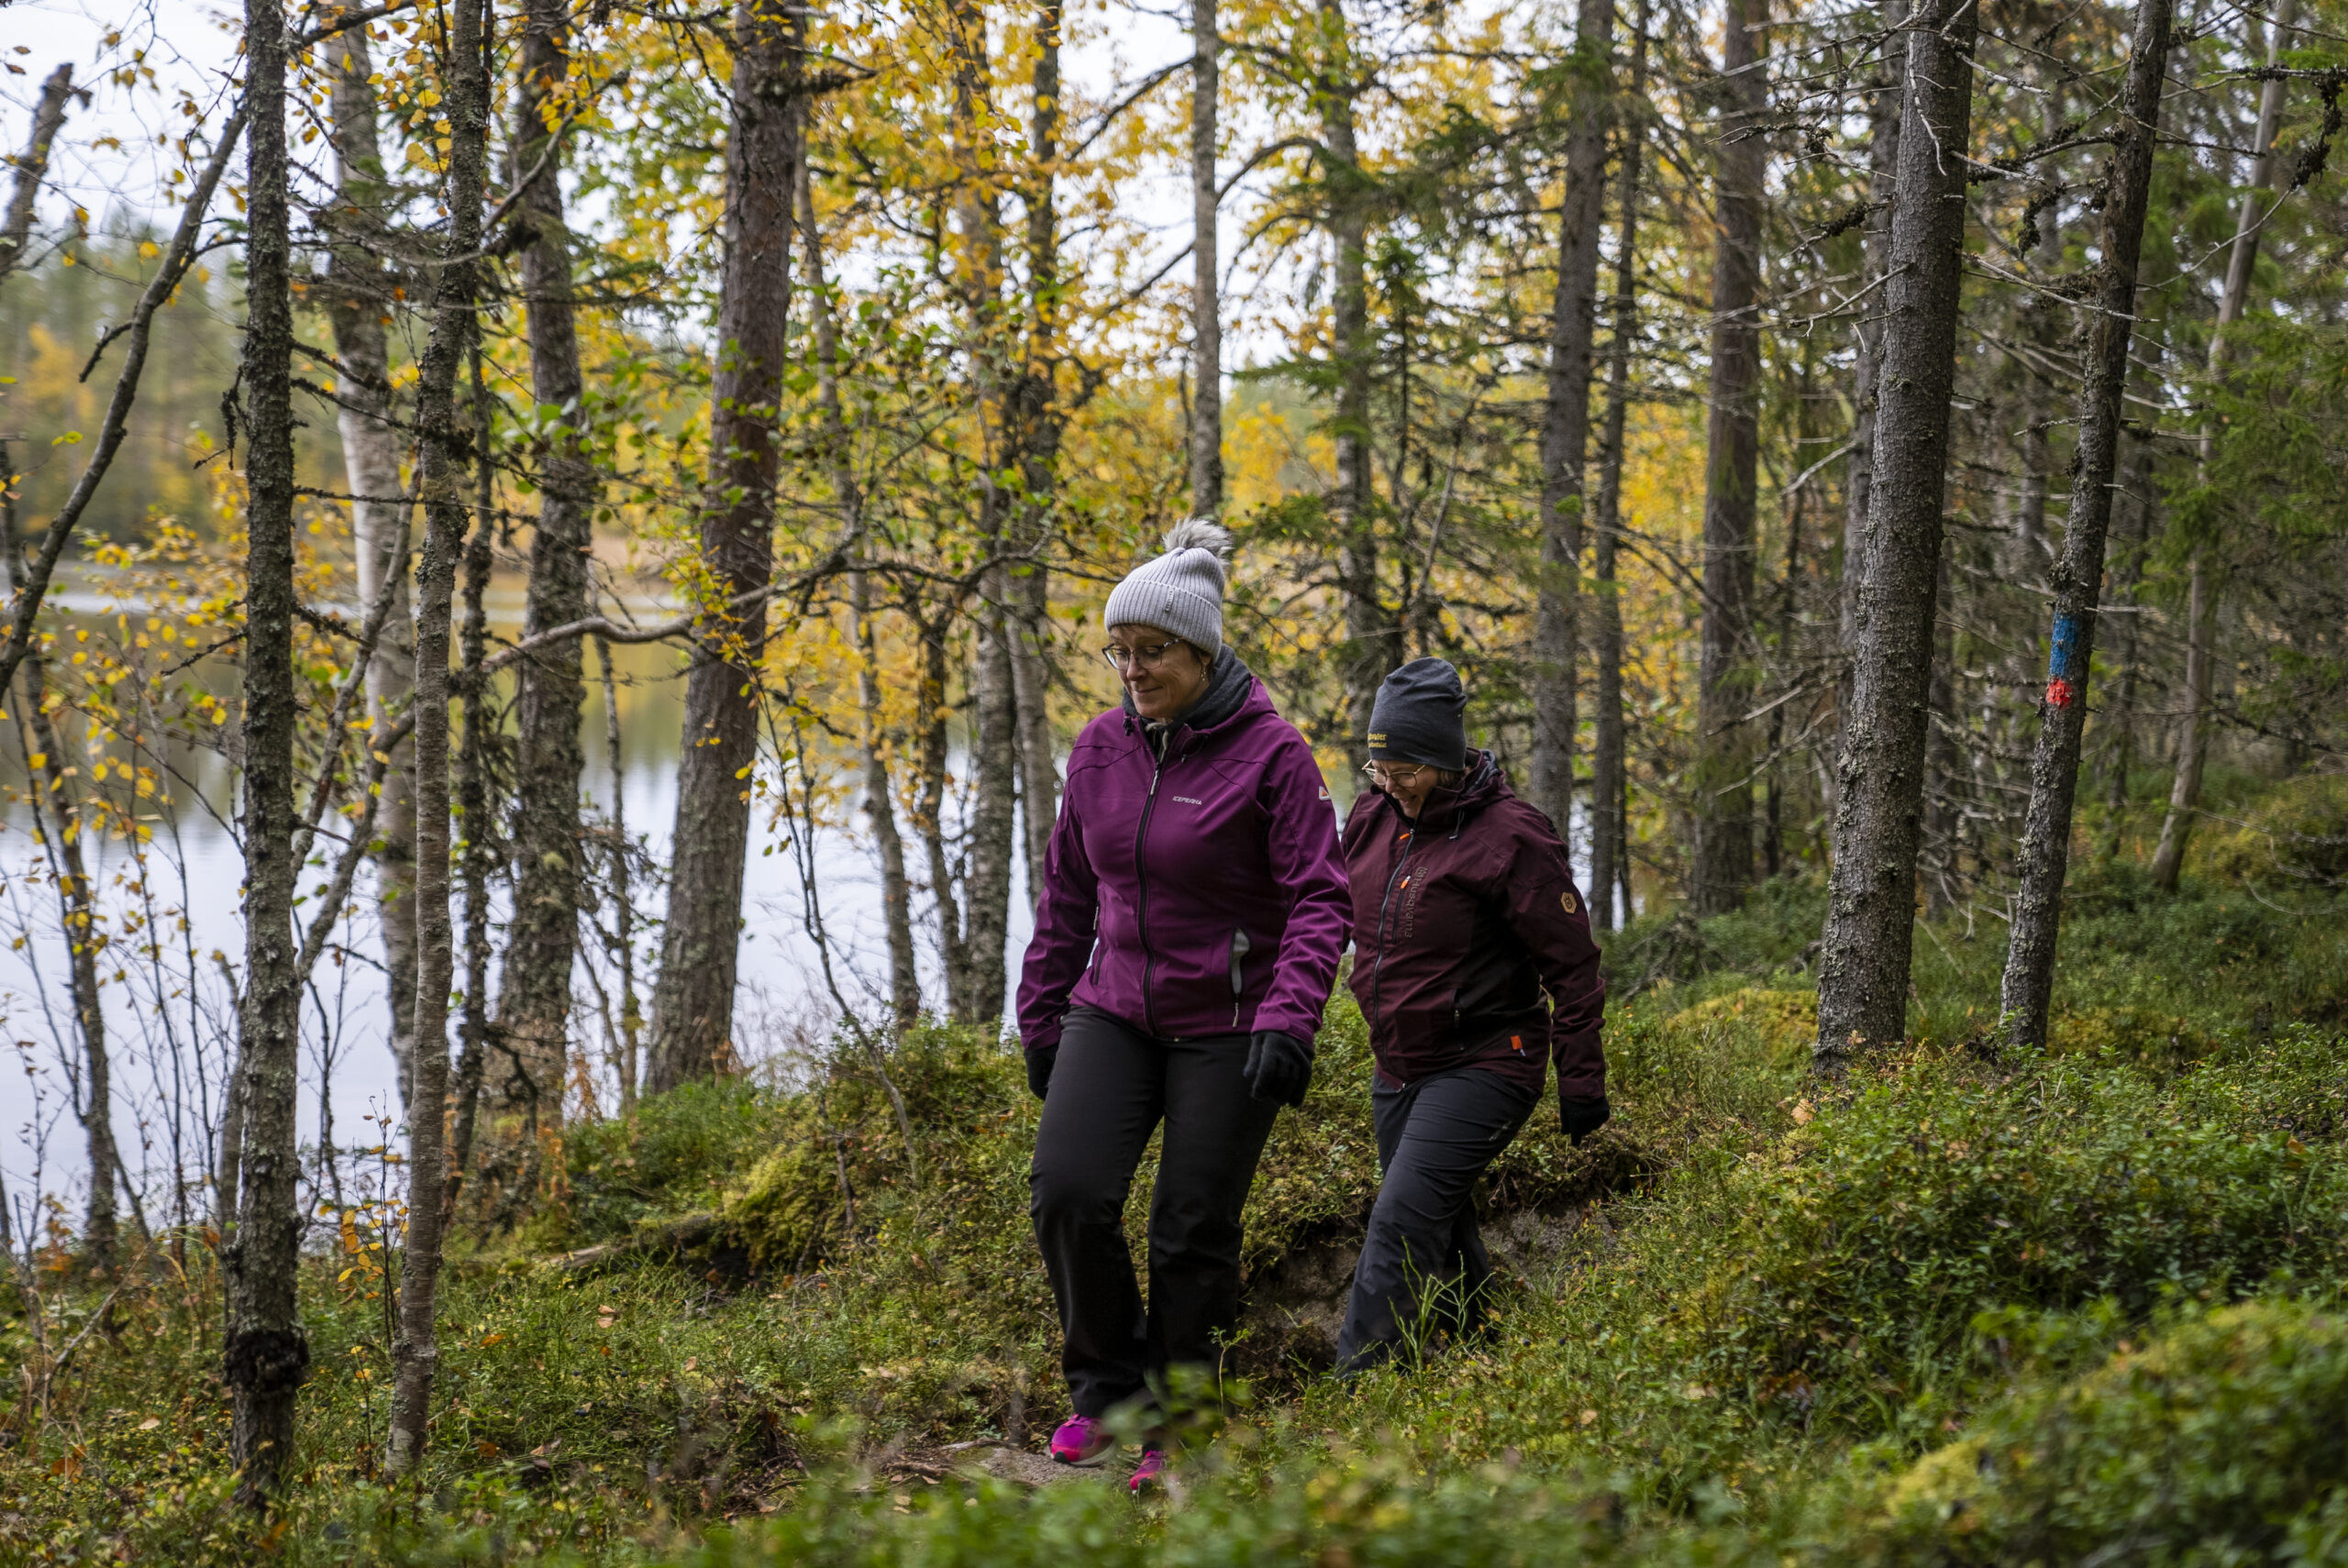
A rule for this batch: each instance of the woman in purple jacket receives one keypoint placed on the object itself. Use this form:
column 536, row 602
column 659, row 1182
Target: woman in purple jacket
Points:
column 1475, row 970
column 1192, row 911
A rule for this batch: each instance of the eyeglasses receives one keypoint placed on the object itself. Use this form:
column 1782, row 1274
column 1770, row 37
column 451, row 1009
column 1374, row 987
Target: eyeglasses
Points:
column 1386, row 777
column 1122, row 658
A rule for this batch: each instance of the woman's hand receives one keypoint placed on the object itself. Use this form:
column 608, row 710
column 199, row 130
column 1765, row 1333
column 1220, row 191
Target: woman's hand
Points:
column 1279, row 1066
column 1580, row 1117
column 1039, row 1068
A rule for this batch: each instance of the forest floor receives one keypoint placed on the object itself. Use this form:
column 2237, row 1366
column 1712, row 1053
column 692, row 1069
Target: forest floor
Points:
column 1974, row 1306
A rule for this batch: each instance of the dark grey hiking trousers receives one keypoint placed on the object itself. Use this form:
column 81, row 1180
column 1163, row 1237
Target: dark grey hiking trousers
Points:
column 1434, row 1138
column 1110, row 1087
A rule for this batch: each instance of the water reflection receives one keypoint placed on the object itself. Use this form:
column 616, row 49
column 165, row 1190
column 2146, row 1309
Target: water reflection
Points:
column 175, row 933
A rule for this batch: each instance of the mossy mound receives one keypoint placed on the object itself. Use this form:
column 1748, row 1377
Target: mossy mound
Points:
column 2148, row 1035
column 2223, row 1440
column 2298, row 832
column 1780, row 1026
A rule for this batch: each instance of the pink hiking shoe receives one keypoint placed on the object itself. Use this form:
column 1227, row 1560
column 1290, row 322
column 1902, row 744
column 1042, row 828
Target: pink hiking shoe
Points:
column 1081, row 1439
column 1149, row 1476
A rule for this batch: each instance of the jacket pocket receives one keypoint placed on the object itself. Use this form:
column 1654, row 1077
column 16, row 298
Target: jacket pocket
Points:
column 1240, row 947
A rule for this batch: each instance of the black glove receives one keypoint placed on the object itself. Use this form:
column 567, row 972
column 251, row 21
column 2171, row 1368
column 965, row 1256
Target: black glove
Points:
column 1279, row 1066
column 1580, row 1117
column 1039, row 1068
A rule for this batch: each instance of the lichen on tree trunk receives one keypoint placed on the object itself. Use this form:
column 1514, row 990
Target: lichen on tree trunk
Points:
column 266, row 1356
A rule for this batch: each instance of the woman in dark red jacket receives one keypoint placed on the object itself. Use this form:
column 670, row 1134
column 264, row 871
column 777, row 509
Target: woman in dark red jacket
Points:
column 1475, row 970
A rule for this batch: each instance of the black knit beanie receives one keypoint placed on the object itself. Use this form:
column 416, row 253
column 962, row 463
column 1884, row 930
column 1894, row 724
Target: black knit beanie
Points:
column 1417, row 716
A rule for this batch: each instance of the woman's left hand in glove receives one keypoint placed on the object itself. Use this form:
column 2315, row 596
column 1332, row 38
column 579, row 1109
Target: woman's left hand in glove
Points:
column 1580, row 1117
column 1279, row 1066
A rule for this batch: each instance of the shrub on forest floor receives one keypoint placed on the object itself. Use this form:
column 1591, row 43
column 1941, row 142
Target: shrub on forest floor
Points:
column 2223, row 1440
column 1853, row 1257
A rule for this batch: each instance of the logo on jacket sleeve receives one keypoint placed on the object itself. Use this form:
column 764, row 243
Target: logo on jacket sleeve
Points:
column 1566, row 899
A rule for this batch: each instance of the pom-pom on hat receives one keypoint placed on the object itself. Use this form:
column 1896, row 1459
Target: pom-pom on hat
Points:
column 1180, row 591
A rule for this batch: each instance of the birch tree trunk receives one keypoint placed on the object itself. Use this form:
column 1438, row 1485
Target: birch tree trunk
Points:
column 78, row 914
column 359, row 305
column 2201, row 607
column 1610, row 826
column 692, row 1001
column 59, row 822
column 266, row 1356
column 2028, row 986
column 1035, row 426
column 1871, row 910
column 442, row 485
column 1565, row 431
column 1723, row 863
column 534, row 1006
column 994, row 762
column 1206, row 278
column 514, row 1161
column 631, row 1022
column 49, row 113
column 929, row 810
column 976, row 984
column 879, row 793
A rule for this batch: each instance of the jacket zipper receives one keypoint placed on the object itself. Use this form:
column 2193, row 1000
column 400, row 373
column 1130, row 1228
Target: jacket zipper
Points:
column 1377, row 973
column 1240, row 947
column 1141, row 895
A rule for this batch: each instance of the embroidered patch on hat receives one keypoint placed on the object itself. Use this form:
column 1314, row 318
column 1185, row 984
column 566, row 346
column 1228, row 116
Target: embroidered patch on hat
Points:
column 1566, row 899
column 1377, row 737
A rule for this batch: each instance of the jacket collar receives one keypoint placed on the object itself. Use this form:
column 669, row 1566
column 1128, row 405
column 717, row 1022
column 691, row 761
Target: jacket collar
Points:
column 1232, row 694
column 1447, row 811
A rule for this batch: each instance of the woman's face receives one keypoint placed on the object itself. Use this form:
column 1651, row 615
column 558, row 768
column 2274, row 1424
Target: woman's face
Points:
column 1409, row 783
column 1163, row 674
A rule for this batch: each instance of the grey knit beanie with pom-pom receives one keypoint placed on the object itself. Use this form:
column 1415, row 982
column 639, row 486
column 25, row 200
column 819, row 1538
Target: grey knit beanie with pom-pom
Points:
column 1180, row 591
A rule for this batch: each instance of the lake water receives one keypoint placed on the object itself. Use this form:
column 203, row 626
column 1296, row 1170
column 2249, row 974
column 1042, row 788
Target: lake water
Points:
column 169, row 1024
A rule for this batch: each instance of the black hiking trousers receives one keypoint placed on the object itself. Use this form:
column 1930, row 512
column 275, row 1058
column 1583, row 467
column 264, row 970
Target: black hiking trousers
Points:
column 1111, row 1085
column 1422, row 1263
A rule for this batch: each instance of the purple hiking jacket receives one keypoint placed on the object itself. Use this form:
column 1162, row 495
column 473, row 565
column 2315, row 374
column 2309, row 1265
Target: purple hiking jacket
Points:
column 1204, row 895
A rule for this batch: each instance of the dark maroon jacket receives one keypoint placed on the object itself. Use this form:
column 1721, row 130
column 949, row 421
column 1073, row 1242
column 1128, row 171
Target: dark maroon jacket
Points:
column 1197, row 894
column 1470, row 942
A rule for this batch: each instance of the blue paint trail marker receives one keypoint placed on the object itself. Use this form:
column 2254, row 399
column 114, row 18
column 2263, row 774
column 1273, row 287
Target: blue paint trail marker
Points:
column 2063, row 661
